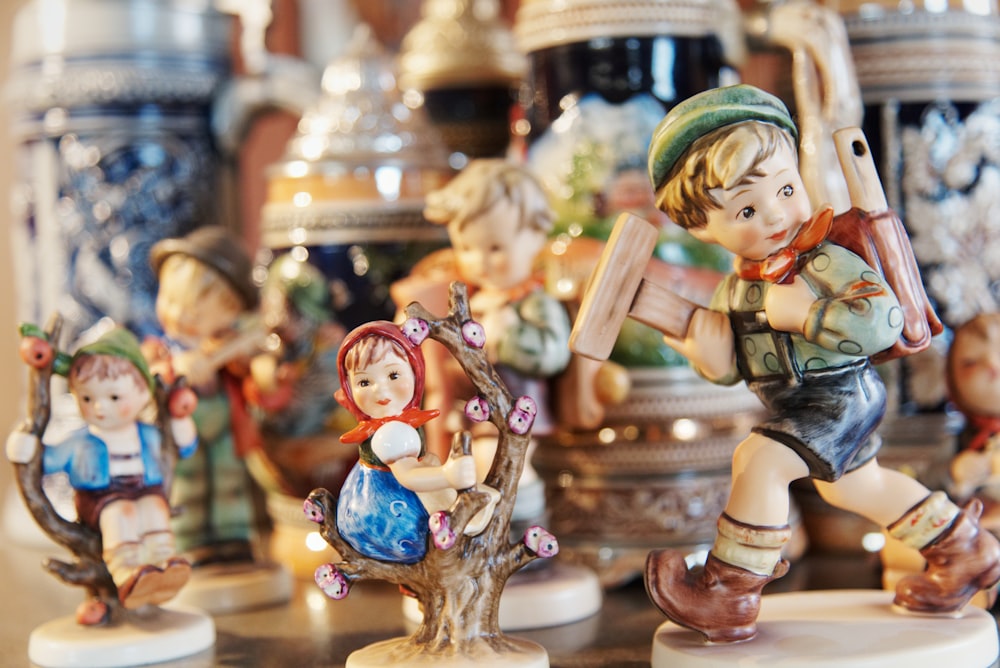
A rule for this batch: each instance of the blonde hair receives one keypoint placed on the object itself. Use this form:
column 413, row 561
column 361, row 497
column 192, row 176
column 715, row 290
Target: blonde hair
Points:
column 724, row 158
column 201, row 281
column 480, row 186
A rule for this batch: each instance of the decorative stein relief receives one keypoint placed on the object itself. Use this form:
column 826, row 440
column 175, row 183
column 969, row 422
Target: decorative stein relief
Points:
column 112, row 109
column 930, row 83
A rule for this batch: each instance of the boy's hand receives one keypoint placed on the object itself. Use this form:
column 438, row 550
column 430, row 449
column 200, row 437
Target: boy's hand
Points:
column 21, row 447
column 787, row 305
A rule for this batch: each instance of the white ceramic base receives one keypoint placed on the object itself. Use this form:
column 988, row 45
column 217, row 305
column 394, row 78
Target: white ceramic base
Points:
column 382, row 654
column 221, row 589
column 551, row 595
column 164, row 634
column 838, row 629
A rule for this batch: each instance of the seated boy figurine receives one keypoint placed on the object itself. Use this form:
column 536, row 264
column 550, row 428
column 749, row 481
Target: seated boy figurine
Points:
column 797, row 320
column 114, row 465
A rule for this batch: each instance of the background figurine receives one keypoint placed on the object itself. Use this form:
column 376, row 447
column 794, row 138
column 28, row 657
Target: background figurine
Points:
column 498, row 220
column 457, row 582
column 120, row 467
column 973, row 374
column 798, row 321
column 386, row 502
column 206, row 305
column 289, row 384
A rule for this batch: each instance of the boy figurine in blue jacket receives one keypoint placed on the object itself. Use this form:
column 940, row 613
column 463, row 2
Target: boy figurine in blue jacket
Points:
column 114, row 466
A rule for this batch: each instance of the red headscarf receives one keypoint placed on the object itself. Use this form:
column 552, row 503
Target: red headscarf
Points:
column 412, row 414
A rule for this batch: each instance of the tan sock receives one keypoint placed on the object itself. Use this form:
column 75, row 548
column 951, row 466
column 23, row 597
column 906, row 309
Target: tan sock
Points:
column 753, row 548
column 924, row 522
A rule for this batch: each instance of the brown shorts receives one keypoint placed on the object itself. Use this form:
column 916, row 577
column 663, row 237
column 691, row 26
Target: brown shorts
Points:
column 90, row 503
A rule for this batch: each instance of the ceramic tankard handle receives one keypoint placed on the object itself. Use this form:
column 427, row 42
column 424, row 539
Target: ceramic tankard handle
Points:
column 273, row 81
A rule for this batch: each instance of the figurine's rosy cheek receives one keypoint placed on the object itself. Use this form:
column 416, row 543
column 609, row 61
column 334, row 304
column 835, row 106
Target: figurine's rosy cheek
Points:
column 416, row 330
column 313, row 512
column 474, row 334
column 477, row 410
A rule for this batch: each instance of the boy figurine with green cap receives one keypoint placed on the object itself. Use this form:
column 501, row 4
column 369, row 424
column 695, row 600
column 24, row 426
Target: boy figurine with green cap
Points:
column 797, row 321
column 114, row 465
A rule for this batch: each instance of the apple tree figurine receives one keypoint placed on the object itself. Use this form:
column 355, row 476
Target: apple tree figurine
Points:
column 457, row 574
column 119, row 466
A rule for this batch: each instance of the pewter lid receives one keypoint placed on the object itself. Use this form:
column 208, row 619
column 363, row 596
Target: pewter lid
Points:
column 85, row 28
column 459, row 42
column 361, row 116
column 541, row 24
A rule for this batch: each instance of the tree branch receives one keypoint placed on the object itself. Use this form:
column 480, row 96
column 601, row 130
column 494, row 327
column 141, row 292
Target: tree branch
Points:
column 85, row 543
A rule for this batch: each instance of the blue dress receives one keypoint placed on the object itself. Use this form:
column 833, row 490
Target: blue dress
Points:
column 379, row 517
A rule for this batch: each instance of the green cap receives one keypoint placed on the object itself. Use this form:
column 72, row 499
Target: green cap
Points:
column 121, row 343
column 700, row 114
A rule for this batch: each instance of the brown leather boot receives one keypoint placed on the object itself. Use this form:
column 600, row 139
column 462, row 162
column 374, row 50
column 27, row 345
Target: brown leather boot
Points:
column 718, row 600
column 960, row 562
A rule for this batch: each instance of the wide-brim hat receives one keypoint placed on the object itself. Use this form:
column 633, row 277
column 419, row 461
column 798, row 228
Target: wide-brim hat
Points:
column 700, row 114
column 218, row 248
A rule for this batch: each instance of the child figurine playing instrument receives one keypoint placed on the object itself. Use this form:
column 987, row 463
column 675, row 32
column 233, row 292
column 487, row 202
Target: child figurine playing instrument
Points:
column 797, row 321
column 115, row 468
column 385, row 503
column 204, row 296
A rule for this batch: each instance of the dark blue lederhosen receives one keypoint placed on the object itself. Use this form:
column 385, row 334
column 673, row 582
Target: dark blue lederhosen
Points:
column 827, row 416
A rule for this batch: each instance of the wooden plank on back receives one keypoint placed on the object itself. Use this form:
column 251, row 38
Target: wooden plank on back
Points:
column 613, row 287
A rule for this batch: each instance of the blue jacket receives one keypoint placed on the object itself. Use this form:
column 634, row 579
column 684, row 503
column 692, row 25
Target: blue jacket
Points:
column 84, row 457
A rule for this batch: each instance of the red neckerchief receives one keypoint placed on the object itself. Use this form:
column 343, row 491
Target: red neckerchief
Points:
column 984, row 427
column 784, row 264
column 415, row 417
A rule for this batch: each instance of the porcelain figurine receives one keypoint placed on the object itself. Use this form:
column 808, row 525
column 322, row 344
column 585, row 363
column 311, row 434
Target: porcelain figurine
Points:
column 288, row 387
column 120, row 467
column 498, row 219
column 973, row 377
column 206, row 305
column 381, row 525
column 390, row 495
column 798, row 321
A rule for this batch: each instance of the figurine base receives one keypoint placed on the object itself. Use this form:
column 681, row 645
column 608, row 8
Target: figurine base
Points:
column 396, row 653
column 153, row 636
column 550, row 595
column 842, row 628
column 224, row 588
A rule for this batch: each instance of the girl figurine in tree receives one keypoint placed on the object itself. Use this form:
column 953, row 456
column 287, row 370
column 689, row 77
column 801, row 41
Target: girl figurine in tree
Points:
column 116, row 468
column 386, row 501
